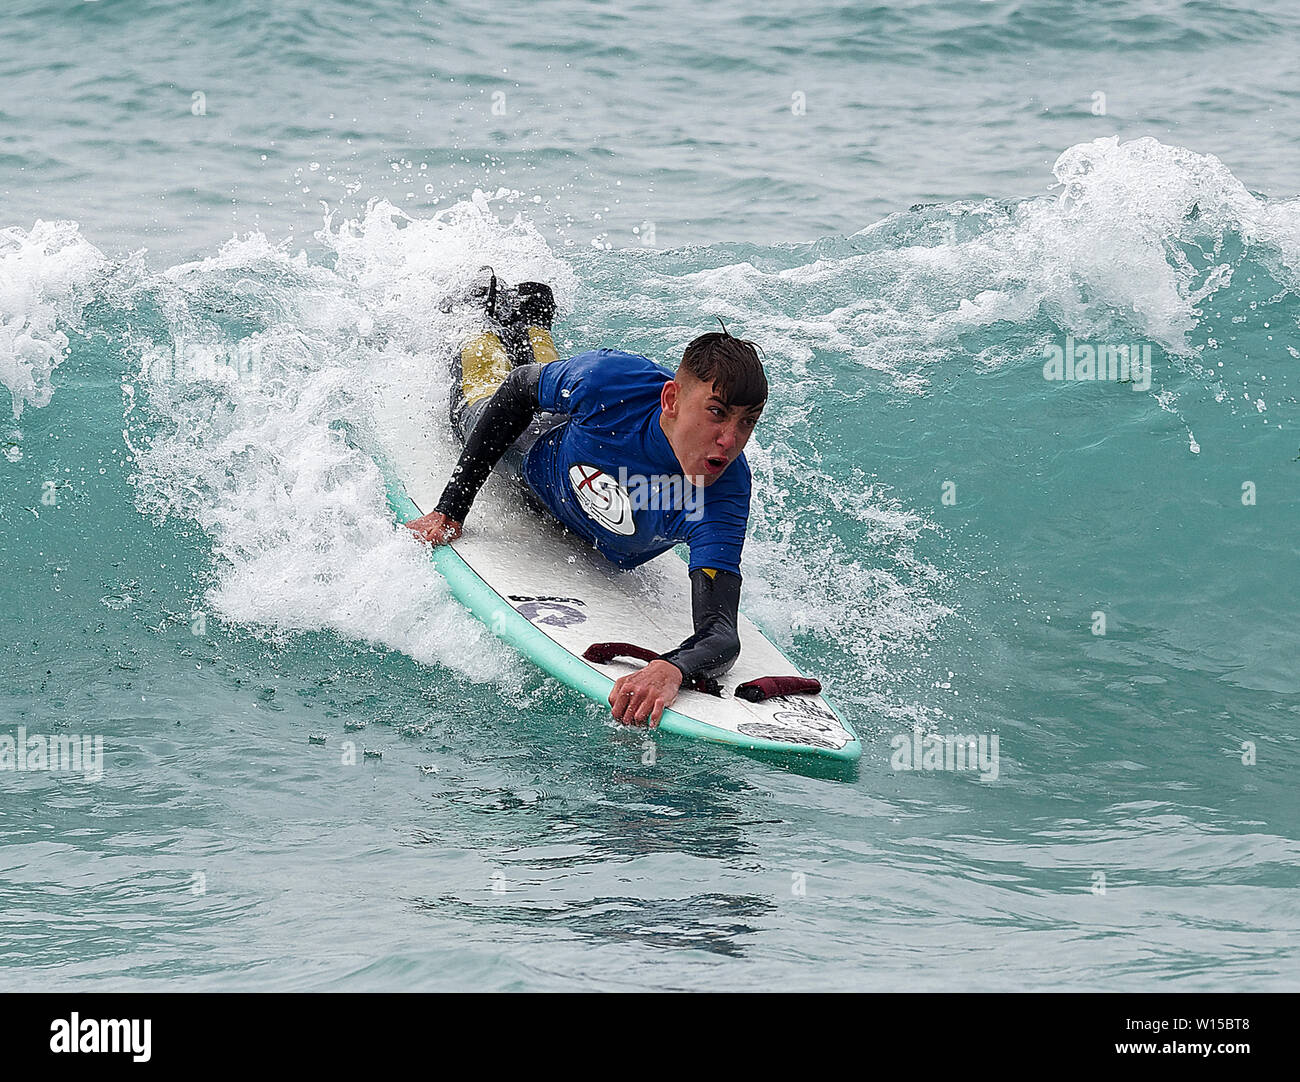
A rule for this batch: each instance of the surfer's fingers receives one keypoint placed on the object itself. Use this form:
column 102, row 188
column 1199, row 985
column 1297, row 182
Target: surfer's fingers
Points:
column 637, row 712
column 648, row 709
column 435, row 528
column 621, row 700
column 638, row 709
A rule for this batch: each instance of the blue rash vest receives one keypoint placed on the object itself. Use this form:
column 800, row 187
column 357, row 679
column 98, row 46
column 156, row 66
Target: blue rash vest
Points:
column 610, row 475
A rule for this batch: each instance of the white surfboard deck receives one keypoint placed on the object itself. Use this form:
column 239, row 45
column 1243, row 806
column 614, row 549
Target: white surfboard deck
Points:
column 567, row 590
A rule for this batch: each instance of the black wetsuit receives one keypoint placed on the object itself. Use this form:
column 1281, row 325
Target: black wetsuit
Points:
column 493, row 426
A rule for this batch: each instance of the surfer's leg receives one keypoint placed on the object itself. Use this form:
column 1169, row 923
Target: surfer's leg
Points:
column 477, row 372
column 517, row 332
column 523, row 337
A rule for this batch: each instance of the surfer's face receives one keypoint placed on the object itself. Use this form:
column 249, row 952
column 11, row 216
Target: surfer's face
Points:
column 704, row 432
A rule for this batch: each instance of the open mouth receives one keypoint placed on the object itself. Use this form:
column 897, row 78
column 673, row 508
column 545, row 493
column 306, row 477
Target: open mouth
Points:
column 715, row 464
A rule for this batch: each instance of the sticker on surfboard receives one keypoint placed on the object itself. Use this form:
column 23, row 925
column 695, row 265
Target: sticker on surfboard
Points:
column 555, row 611
column 799, row 721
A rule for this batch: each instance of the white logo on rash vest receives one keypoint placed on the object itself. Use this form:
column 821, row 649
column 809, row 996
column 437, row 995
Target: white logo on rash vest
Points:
column 602, row 498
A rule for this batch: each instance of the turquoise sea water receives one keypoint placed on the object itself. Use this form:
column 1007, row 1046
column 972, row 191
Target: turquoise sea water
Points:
column 908, row 207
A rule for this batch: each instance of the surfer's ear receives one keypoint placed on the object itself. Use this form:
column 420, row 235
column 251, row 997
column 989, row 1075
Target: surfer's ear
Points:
column 670, row 397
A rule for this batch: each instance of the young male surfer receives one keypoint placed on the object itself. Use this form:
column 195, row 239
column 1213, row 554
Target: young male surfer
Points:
column 618, row 422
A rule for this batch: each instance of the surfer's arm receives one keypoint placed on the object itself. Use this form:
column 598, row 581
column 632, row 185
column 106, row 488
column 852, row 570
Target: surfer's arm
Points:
column 713, row 649
column 509, row 412
column 641, row 696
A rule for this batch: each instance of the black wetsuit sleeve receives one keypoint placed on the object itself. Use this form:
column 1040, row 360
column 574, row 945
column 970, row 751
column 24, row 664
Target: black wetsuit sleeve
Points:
column 713, row 649
column 508, row 413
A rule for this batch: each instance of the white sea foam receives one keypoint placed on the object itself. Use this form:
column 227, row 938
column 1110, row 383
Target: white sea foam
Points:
column 47, row 276
column 1137, row 241
column 301, row 534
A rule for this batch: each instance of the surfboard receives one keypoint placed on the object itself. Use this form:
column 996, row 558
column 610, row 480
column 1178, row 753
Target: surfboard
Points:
column 550, row 595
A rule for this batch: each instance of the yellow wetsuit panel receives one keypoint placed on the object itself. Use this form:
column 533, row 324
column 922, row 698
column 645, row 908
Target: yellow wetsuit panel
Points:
column 485, row 363
column 543, row 346
column 483, row 366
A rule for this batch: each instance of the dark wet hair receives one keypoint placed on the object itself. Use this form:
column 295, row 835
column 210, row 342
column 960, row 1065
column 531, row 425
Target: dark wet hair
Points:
column 730, row 364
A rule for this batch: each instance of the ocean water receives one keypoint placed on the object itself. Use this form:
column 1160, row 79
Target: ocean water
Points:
column 224, row 233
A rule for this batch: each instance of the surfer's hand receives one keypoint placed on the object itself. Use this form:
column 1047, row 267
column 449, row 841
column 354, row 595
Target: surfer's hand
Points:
column 435, row 527
column 642, row 695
